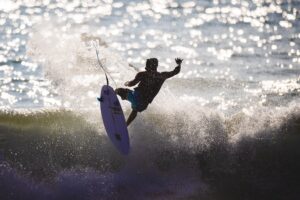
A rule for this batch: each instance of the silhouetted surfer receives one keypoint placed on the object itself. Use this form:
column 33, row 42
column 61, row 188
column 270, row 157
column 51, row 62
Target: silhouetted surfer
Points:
column 149, row 83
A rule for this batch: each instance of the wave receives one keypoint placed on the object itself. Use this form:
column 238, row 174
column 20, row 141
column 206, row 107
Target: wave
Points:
column 57, row 154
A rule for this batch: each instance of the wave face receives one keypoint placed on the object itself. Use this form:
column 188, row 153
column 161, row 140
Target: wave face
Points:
column 59, row 155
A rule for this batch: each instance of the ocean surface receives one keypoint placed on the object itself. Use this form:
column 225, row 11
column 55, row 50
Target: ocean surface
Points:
column 226, row 127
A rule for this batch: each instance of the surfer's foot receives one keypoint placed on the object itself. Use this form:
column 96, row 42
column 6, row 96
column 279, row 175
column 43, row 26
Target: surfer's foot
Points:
column 131, row 117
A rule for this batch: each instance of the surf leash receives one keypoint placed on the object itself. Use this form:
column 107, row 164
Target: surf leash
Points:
column 100, row 64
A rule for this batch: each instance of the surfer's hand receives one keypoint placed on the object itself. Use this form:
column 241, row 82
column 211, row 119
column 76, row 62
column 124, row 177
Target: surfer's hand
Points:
column 178, row 61
column 126, row 83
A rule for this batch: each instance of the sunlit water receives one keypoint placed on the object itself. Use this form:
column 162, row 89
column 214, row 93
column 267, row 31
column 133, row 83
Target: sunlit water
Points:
column 237, row 54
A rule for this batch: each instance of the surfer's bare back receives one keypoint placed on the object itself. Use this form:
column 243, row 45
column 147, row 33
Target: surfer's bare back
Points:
column 149, row 83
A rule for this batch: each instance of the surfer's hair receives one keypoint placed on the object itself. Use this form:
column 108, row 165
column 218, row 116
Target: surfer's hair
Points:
column 151, row 64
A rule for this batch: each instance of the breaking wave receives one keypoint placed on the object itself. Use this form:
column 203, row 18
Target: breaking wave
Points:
column 57, row 154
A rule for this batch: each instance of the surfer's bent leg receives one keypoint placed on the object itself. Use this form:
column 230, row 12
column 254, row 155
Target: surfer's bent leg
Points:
column 131, row 117
column 122, row 92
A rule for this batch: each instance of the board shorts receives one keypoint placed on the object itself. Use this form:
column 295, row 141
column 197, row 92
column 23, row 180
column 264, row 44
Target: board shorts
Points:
column 136, row 103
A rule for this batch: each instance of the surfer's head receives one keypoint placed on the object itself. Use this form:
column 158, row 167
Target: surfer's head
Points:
column 151, row 64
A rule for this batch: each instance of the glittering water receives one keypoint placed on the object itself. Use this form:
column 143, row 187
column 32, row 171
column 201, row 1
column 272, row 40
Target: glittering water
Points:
column 237, row 54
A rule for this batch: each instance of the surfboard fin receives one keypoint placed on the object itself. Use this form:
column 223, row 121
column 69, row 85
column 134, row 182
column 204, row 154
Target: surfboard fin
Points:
column 100, row 99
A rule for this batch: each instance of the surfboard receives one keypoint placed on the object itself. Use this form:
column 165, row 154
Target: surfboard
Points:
column 113, row 119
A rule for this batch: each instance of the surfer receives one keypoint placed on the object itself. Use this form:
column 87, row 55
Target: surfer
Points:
column 149, row 83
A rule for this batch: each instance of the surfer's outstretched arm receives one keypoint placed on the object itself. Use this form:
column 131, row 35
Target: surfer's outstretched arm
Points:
column 136, row 80
column 167, row 75
column 131, row 117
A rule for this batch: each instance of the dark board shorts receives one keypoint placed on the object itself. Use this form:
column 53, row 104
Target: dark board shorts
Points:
column 136, row 103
